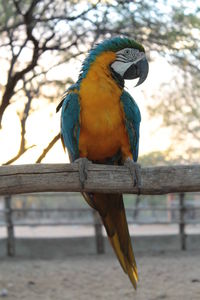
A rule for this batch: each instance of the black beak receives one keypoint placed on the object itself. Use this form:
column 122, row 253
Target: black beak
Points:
column 138, row 70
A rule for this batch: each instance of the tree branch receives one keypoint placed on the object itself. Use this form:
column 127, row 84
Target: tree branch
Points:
column 25, row 115
column 13, row 80
column 19, row 154
column 48, row 148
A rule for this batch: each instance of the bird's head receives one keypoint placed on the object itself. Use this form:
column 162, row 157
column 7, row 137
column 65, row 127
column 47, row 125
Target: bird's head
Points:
column 130, row 61
column 127, row 62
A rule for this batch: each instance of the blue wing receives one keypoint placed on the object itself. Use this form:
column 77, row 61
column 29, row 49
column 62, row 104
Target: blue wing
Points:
column 70, row 126
column 132, row 122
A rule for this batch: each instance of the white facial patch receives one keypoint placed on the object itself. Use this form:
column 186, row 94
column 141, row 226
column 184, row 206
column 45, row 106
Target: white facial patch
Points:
column 121, row 67
column 125, row 58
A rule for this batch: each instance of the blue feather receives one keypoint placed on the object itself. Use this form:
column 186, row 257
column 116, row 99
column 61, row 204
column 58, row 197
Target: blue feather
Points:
column 132, row 122
column 70, row 126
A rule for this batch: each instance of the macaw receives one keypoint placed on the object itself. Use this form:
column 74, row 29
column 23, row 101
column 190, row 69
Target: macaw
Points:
column 100, row 122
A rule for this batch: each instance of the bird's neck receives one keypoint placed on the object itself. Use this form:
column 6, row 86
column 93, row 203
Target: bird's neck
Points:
column 102, row 130
column 100, row 88
column 101, row 68
column 117, row 77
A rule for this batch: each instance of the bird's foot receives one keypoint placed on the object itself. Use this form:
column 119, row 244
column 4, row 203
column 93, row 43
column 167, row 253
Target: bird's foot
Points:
column 135, row 171
column 83, row 169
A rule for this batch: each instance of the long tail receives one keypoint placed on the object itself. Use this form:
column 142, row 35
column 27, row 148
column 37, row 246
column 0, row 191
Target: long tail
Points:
column 112, row 212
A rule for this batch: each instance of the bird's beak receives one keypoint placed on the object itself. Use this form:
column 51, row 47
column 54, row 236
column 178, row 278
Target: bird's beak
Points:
column 138, row 70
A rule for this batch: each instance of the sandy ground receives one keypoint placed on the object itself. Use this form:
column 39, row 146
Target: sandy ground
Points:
column 76, row 231
column 166, row 275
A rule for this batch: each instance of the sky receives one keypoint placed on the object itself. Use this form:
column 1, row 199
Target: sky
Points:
column 44, row 123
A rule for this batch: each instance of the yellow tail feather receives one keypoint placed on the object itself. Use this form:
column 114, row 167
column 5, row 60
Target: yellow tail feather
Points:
column 112, row 212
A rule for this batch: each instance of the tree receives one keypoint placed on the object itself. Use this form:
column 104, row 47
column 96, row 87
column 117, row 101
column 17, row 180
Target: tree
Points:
column 37, row 36
column 178, row 101
column 33, row 31
column 179, row 105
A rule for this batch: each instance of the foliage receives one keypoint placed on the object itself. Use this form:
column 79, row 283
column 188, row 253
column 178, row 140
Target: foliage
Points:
column 178, row 101
column 39, row 36
column 158, row 158
column 179, row 105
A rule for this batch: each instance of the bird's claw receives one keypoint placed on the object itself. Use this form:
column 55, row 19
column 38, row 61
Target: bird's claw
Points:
column 135, row 171
column 83, row 169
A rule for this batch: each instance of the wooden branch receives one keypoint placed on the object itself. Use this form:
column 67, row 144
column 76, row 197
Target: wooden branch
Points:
column 48, row 148
column 101, row 178
column 18, row 155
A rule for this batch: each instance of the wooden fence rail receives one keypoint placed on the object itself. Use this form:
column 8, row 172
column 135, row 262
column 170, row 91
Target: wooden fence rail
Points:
column 10, row 223
column 101, row 178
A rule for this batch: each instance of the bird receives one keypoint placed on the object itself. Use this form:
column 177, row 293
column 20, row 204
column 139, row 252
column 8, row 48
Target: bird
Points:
column 100, row 124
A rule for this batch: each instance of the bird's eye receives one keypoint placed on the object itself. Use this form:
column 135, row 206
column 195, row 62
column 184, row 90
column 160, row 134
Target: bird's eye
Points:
column 127, row 51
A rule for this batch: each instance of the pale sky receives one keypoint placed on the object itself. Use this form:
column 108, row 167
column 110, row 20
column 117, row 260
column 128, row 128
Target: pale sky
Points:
column 43, row 124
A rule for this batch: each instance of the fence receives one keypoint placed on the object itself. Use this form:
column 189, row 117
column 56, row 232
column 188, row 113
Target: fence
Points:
column 101, row 178
column 23, row 219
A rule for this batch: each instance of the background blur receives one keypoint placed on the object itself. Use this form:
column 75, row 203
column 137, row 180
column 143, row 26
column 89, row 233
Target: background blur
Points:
column 42, row 46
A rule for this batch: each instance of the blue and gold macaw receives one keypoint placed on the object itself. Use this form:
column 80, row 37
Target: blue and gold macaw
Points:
column 100, row 122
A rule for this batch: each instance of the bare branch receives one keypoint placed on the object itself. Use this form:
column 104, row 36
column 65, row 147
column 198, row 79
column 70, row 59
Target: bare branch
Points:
column 23, row 148
column 66, row 17
column 13, row 80
column 17, row 6
column 48, row 148
column 19, row 154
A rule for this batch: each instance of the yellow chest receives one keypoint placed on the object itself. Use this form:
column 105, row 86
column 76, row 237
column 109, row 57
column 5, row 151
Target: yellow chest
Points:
column 101, row 116
column 100, row 106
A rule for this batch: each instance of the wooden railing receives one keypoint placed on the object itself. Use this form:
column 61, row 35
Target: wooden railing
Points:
column 10, row 221
column 101, row 178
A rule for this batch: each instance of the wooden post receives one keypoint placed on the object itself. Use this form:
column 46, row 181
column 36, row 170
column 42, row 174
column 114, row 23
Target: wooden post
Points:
column 170, row 212
column 136, row 208
column 182, row 221
column 10, row 227
column 100, row 247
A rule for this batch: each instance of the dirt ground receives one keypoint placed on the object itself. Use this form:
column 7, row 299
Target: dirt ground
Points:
column 165, row 275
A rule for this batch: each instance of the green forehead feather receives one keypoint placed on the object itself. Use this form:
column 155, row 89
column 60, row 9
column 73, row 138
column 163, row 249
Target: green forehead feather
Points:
column 115, row 44
column 118, row 43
